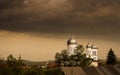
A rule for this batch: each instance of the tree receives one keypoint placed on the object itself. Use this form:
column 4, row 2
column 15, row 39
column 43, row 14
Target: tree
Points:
column 111, row 58
column 80, row 49
column 14, row 65
column 11, row 61
column 78, row 59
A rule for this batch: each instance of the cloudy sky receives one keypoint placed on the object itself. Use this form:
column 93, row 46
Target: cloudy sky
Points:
column 37, row 29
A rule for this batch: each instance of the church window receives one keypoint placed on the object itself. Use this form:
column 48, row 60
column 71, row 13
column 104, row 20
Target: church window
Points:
column 94, row 53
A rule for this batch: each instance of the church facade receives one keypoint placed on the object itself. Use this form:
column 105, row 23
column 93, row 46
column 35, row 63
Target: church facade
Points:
column 91, row 50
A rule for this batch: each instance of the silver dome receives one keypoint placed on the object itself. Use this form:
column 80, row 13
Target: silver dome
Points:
column 94, row 47
column 88, row 46
column 71, row 41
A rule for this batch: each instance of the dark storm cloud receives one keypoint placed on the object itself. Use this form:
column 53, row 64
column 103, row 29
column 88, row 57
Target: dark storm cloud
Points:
column 4, row 4
column 88, row 17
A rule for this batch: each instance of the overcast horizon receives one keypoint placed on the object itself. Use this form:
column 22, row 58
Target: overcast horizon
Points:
column 37, row 29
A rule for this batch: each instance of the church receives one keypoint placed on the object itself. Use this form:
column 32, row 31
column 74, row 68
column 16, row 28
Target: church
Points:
column 91, row 50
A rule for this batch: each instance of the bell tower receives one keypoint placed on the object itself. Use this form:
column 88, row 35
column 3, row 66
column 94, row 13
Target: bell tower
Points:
column 92, row 52
column 72, row 44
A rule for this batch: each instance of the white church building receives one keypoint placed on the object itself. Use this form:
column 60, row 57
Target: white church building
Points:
column 91, row 50
column 72, row 44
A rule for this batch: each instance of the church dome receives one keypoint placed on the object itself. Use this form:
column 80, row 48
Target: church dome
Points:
column 94, row 47
column 88, row 46
column 71, row 41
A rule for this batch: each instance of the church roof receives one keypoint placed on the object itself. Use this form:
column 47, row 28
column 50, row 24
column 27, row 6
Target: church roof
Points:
column 91, row 46
column 71, row 41
column 101, row 70
column 94, row 47
column 88, row 46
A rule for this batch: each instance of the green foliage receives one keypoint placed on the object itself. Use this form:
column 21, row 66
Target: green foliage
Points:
column 13, row 62
column 54, row 71
column 32, row 71
column 15, row 66
column 111, row 58
column 79, row 59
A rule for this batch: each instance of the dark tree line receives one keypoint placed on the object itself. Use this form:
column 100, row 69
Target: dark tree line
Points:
column 13, row 66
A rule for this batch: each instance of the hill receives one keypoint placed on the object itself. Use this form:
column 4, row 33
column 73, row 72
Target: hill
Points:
column 27, row 62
